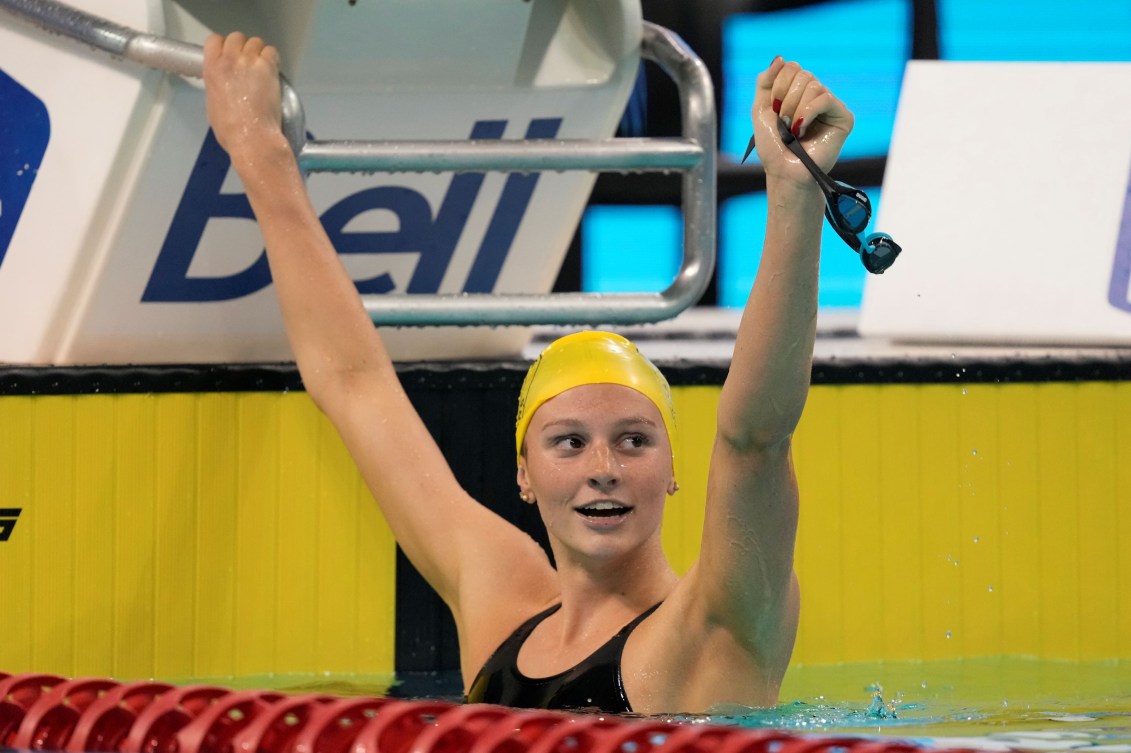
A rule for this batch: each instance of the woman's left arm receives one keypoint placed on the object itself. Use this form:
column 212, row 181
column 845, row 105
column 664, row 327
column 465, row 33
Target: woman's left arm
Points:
column 745, row 579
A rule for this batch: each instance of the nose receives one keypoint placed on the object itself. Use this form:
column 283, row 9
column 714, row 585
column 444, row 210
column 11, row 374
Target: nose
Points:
column 604, row 473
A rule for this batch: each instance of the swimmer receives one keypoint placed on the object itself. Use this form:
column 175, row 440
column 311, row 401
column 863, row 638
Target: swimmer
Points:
column 612, row 627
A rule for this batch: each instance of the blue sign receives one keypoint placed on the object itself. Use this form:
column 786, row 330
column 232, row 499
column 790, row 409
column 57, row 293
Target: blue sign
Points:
column 25, row 130
column 432, row 233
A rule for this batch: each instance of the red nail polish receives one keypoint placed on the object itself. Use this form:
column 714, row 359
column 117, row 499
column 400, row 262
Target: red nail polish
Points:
column 796, row 130
column 777, row 105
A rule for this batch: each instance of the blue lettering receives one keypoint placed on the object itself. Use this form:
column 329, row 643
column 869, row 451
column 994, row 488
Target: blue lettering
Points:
column 25, row 129
column 1118, row 293
column 504, row 225
column 434, row 239
column 203, row 200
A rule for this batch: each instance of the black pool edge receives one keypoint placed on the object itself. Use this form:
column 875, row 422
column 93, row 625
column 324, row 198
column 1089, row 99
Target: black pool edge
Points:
column 495, row 375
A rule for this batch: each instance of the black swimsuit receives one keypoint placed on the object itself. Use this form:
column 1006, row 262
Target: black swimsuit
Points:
column 595, row 683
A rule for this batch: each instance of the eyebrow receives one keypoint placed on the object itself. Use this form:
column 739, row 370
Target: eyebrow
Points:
column 631, row 421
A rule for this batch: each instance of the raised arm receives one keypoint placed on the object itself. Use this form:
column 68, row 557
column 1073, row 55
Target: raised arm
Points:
column 343, row 362
column 746, row 566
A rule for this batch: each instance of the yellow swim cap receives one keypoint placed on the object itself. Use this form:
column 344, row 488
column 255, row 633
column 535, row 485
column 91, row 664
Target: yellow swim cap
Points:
column 591, row 358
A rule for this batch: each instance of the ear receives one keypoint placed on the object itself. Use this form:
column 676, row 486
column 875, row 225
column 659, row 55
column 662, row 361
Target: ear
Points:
column 524, row 492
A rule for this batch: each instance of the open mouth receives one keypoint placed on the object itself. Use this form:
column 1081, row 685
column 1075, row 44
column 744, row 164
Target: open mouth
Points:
column 604, row 510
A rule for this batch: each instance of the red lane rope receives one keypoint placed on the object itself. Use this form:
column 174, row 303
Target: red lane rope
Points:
column 106, row 722
column 51, row 720
column 93, row 715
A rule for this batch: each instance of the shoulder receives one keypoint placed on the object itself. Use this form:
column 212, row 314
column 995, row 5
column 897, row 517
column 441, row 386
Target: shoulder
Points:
column 683, row 660
column 497, row 599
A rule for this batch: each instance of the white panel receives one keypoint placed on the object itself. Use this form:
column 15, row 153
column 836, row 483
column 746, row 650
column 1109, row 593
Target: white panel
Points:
column 1006, row 185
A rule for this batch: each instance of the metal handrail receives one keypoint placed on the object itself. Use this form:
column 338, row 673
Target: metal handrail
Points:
column 693, row 155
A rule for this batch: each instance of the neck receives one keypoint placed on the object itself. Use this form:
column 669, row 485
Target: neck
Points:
column 593, row 594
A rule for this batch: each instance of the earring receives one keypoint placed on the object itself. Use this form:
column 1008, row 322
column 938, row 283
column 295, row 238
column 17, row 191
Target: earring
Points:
column 524, row 496
column 675, row 487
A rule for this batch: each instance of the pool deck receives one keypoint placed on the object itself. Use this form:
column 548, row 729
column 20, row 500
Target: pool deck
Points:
column 706, row 336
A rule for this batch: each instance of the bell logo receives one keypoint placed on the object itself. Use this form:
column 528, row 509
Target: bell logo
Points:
column 431, row 233
column 25, row 130
column 8, row 516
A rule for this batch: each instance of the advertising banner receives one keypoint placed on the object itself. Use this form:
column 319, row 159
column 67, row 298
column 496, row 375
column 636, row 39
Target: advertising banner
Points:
column 125, row 238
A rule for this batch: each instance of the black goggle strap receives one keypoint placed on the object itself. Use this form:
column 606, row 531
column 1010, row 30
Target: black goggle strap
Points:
column 847, row 208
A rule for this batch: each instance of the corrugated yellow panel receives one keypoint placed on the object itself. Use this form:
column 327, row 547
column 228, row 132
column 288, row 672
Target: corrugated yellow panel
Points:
column 1019, row 484
column 979, row 453
column 898, row 565
column 942, row 525
column 1060, row 522
column 862, row 522
column 696, row 410
column 257, row 557
column 53, row 565
column 95, row 511
column 175, row 561
column 817, row 457
column 187, row 536
column 216, row 543
column 1097, row 495
column 297, row 539
column 336, row 603
column 134, row 591
column 180, row 535
column 376, row 587
column 1121, row 588
column 16, row 554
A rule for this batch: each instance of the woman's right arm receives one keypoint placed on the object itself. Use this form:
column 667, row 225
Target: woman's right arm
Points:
column 341, row 358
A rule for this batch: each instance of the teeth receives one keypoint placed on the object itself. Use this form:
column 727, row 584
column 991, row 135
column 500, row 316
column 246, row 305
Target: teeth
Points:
column 603, row 509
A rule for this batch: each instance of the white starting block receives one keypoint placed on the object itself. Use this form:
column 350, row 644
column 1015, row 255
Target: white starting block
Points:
column 1009, row 187
column 126, row 239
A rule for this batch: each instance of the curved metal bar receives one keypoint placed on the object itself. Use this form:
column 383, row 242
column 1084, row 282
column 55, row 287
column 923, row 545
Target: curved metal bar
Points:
column 147, row 49
column 590, row 309
column 694, row 155
column 150, row 50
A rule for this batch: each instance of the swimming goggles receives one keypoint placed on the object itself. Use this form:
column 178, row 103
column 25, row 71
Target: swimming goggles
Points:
column 847, row 209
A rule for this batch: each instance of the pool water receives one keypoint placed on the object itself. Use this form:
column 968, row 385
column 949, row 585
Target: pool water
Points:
column 998, row 703
column 992, row 704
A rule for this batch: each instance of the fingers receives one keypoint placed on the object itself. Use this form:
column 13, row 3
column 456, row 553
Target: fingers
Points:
column 801, row 100
column 238, row 47
column 765, row 82
column 212, row 46
column 242, row 92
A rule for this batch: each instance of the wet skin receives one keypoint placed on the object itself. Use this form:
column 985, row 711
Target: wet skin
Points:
column 598, row 462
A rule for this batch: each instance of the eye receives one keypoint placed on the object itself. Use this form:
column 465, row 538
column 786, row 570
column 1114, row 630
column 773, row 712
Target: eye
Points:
column 567, row 442
column 634, row 441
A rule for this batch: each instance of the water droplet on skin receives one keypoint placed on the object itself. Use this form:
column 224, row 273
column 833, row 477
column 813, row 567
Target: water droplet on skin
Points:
column 974, row 452
column 990, row 589
column 948, row 635
column 977, row 539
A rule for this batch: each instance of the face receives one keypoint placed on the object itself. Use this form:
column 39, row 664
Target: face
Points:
column 598, row 462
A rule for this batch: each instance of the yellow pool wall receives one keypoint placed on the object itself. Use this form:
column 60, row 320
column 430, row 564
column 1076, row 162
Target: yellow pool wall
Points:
column 225, row 535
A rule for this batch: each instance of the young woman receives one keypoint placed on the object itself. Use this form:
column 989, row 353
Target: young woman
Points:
column 612, row 626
